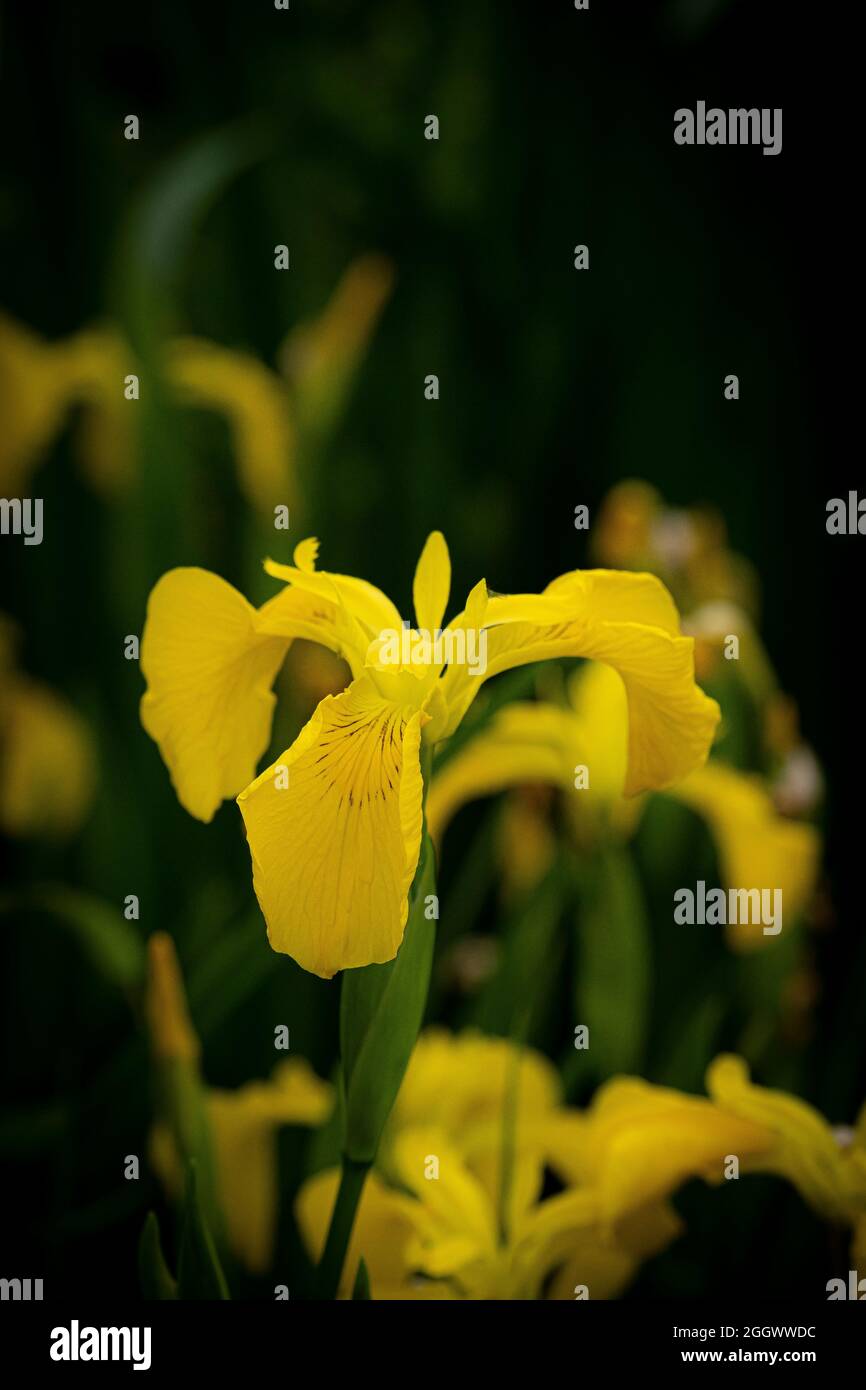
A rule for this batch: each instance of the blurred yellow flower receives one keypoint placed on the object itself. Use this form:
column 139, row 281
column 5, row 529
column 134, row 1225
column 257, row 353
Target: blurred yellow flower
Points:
column 41, row 383
column 334, row 825
column 239, row 1128
column 687, row 548
column 34, row 395
column 757, row 847
column 320, row 358
column 444, row 1240
column 478, row 1226
column 45, row 381
column 47, row 761
column 528, row 743
column 466, row 1086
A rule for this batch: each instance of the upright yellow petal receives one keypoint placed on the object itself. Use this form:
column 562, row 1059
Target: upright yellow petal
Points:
column 459, row 1082
column 298, row 613
column 209, row 673
column 320, row 357
column 432, row 583
column 334, row 829
column 365, row 609
column 172, row 1035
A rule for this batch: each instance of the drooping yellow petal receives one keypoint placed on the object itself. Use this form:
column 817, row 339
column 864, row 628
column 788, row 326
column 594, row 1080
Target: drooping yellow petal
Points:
column 638, row 1142
column 803, row 1148
column 47, row 761
column 209, row 673
column 757, row 847
column 334, row 828
column 432, row 583
column 254, row 401
column 628, row 621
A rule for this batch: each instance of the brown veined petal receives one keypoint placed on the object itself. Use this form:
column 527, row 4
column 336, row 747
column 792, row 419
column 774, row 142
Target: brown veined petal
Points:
column 334, row 828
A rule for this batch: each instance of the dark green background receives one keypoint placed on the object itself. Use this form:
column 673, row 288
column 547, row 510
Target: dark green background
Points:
column 556, row 128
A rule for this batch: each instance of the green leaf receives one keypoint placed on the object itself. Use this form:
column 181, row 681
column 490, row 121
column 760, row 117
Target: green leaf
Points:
column 613, row 963
column 381, row 1009
column 154, row 1275
column 199, row 1272
column 691, row 1042
column 510, row 1002
column 163, row 223
column 362, row 1282
column 103, row 933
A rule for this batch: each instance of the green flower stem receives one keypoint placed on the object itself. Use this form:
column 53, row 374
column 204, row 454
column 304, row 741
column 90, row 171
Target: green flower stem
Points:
column 509, row 1140
column 381, row 1011
column 329, row 1273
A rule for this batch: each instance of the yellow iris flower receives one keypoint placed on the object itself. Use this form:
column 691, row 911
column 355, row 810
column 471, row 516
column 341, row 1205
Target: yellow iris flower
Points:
column 438, row 1237
column 528, row 743
column 431, row 1222
column 335, row 824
